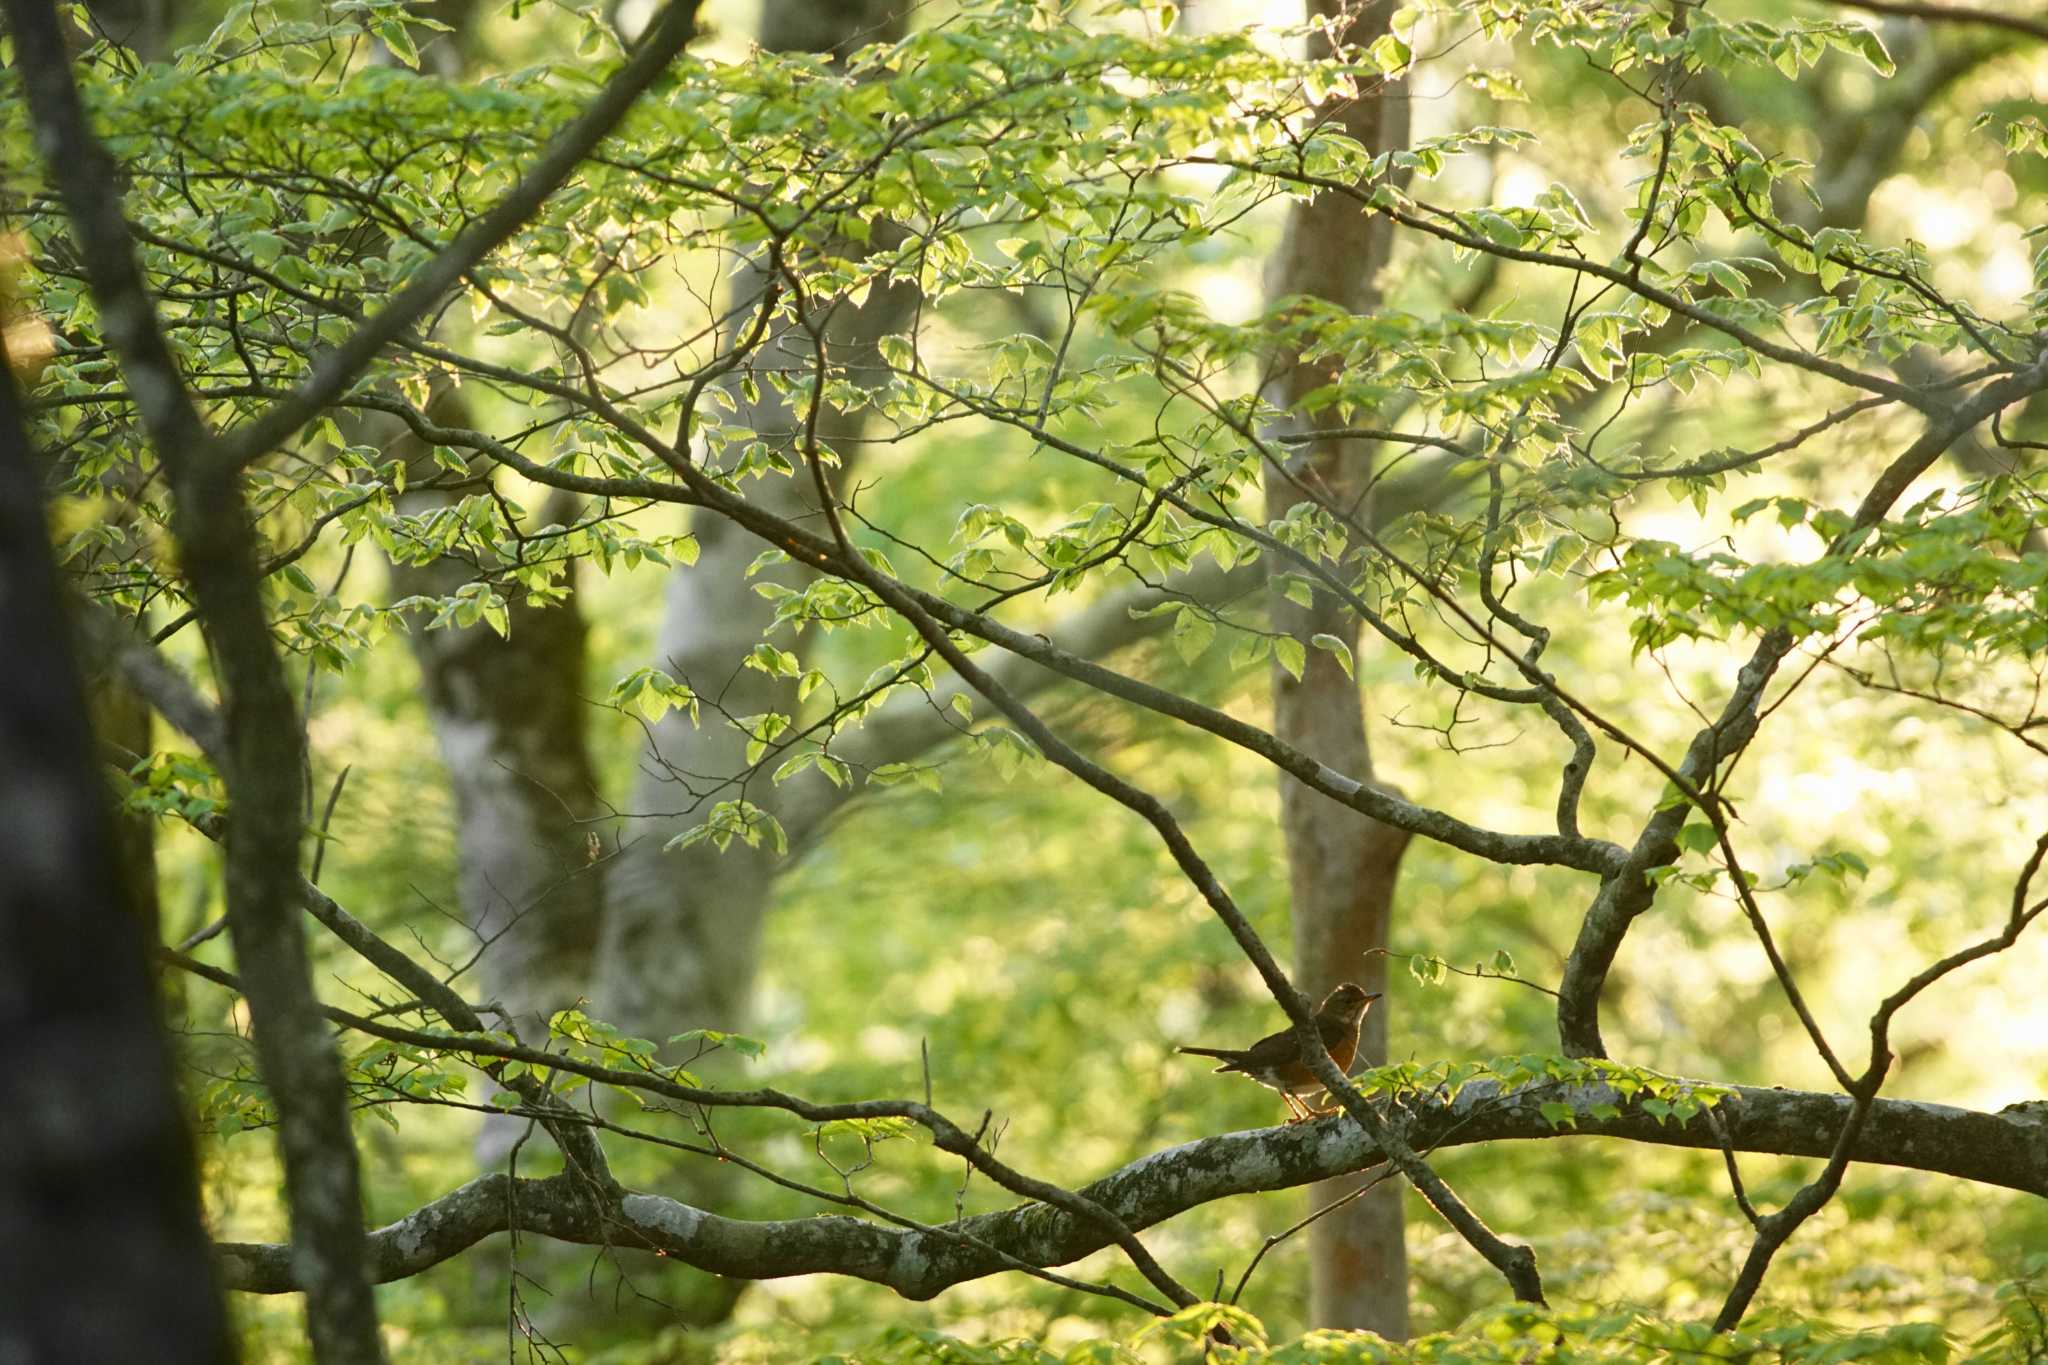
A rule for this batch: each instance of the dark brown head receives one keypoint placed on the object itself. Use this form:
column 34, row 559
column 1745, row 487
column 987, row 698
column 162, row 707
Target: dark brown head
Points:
column 1348, row 1002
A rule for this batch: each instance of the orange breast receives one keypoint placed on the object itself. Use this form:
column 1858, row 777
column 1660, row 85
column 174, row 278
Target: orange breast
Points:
column 1346, row 1049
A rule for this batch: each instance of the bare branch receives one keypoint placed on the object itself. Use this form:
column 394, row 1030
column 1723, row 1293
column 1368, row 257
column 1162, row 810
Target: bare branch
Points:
column 1774, row 1230
column 1629, row 892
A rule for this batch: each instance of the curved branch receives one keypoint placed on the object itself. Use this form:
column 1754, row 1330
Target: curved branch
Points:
column 909, row 726
column 1585, row 854
column 1628, row 892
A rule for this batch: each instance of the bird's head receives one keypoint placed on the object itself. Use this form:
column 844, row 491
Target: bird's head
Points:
column 1348, row 1001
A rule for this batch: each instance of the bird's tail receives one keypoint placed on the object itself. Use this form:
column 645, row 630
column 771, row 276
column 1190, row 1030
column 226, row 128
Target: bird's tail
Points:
column 1230, row 1057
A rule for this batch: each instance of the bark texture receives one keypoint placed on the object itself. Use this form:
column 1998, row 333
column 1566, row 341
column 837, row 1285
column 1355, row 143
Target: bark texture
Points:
column 2008, row 1148
column 216, row 547
column 1341, row 865
column 102, row 1249
column 508, row 713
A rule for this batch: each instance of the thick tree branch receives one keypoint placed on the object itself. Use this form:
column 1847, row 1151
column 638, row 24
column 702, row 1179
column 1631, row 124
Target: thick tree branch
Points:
column 154, row 678
column 2031, row 26
column 2007, row 1149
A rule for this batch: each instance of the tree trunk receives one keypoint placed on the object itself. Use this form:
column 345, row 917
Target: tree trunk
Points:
column 1341, row 865
column 680, row 939
column 508, row 715
column 102, row 1248
column 682, row 929
column 121, row 721
column 508, row 712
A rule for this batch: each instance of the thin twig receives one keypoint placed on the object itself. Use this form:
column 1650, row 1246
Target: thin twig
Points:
column 1277, row 1238
column 326, row 821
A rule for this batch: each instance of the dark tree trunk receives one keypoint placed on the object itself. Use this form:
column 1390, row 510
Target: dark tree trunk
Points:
column 102, row 1252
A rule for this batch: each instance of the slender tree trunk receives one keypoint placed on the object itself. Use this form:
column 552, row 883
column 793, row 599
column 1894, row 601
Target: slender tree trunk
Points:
column 681, row 941
column 1341, row 865
column 679, row 944
column 682, row 928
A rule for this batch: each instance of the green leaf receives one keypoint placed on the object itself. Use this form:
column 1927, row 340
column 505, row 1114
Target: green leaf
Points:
column 1337, row 649
column 1192, row 632
column 1698, row 838
column 1296, row 589
column 713, row 1038
column 392, row 33
column 1389, row 53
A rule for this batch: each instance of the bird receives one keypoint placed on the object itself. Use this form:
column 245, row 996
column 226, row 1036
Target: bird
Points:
column 1275, row 1061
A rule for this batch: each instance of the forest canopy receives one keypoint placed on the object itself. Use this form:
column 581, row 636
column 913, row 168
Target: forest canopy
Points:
column 660, row 656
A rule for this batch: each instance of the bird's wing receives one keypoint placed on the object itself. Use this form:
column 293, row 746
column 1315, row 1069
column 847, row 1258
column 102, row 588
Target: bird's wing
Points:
column 1275, row 1049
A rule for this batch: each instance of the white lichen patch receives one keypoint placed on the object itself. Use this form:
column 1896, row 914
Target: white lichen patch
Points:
column 665, row 1216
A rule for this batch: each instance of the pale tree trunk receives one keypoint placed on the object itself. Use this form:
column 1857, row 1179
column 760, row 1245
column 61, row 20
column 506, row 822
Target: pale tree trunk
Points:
column 508, row 715
column 682, row 929
column 659, row 942
column 1341, row 865
column 680, row 938
column 508, row 712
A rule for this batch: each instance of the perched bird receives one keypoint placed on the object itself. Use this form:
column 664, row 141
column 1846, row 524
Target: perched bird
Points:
column 1276, row 1059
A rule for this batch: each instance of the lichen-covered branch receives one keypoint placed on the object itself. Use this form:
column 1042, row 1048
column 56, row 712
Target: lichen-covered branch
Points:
column 2007, row 1149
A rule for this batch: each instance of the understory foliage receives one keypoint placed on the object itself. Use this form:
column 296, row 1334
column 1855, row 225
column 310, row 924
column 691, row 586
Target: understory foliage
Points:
column 1703, row 597
column 1516, row 1333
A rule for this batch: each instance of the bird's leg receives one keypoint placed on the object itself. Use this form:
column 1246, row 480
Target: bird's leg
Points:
column 1297, row 1108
